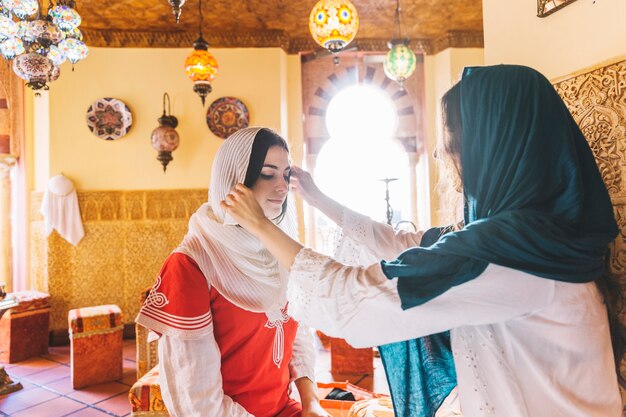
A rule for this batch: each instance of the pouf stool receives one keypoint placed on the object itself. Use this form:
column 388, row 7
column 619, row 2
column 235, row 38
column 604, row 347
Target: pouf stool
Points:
column 95, row 345
column 347, row 360
column 24, row 329
column 145, row 396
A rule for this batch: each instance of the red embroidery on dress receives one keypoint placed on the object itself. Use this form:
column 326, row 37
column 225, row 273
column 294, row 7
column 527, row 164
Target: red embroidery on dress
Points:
column 278, row 350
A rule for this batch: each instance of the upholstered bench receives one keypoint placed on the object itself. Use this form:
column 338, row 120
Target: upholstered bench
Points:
column 95, row 345
column 147, row 354
column 145, row 396
column 24, row 329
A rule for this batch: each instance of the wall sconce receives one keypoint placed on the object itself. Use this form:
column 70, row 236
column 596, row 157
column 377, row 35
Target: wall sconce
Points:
column 165, row 138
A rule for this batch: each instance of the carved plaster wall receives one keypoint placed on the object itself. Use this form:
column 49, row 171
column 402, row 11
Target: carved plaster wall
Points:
column 128, row 235
column 597, row 100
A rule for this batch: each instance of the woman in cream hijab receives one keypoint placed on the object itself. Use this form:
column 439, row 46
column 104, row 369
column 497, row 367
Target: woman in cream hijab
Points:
column 228, row 346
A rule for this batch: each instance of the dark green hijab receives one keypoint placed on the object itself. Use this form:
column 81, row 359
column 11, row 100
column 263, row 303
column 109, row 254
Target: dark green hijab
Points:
column 535, row 200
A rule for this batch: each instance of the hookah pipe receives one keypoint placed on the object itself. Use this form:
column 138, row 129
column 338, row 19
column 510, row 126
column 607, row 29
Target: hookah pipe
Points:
column 389, row 209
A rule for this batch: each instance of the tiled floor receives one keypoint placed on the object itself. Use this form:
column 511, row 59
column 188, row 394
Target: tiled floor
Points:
column 48, row 391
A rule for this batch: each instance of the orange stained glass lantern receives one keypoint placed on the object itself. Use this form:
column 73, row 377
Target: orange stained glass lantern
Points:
column 333, row 23
column 201, row 67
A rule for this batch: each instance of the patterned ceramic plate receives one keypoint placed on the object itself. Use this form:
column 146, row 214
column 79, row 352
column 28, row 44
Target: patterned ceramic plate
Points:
column 226, row 115
column 109, row 118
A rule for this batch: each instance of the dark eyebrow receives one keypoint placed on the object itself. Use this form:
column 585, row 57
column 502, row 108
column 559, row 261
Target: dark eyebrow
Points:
column 275, row 167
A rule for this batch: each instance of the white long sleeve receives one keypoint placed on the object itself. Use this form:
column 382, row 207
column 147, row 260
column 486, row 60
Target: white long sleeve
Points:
column 191, row 380
column 302, row 362
column 381, row 240
column 362, row 306
column 523, row 346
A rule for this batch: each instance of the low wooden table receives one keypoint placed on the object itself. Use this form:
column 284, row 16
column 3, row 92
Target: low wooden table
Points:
column 7, row 385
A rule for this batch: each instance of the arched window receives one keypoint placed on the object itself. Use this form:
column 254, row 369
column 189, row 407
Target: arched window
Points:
column 361, row 128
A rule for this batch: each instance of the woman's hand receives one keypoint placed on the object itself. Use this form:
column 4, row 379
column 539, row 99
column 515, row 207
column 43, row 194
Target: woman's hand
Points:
column 241, row 204
column 308, row 396
column 302, row 182
column 313, row 409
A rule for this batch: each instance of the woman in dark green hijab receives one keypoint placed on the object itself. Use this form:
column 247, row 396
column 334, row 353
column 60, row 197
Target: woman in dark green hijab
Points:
column 515, row 286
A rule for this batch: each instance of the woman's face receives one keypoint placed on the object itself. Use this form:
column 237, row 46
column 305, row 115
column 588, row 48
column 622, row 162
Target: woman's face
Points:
column 271, row 188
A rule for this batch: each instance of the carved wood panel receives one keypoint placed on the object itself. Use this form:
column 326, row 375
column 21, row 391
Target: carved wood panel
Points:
column 597, row 100
column 430, row 24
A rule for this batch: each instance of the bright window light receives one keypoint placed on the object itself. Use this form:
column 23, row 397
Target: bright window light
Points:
column 360, row 153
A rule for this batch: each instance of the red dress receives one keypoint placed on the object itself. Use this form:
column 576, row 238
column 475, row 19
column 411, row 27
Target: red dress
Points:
column 251, row 375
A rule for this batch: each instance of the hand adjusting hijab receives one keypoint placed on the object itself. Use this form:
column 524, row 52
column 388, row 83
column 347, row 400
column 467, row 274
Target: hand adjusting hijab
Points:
column 535, row 200
column 232, row 259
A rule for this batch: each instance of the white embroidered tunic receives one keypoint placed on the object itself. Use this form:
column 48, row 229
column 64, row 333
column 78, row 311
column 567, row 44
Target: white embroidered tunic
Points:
column 523, row 346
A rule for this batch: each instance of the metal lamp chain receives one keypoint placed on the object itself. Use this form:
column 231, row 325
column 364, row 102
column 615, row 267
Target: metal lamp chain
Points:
column 200, row 14
column 398, row 21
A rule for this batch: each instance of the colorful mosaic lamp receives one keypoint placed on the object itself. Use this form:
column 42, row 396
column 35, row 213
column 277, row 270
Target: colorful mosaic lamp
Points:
column 400, row 61
column 38, row 44
column 201, row 66
column 333, row 24
column 165, row 138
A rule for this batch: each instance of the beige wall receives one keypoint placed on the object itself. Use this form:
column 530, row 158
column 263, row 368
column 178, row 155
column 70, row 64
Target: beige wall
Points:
column 139, row 77
column 578, row 36
column 132, row 212
column 442, row 71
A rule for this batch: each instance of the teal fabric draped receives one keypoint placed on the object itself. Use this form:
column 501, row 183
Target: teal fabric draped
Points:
column 420, row 372
column 535, row 200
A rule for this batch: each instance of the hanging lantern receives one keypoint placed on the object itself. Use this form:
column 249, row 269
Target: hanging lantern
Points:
column 27, row 29
column 73, row 49
column 11, row 48
column 37, row 70
column 333, row 23
column 8, row 28
column 44, row 32
column 56, row 56
column 201, row 66
column 164, row 138
column 400, row 61
column 65, row 18
column 21, row 8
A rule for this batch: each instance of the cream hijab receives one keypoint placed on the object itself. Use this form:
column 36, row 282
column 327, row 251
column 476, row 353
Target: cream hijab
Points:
column 232, row 259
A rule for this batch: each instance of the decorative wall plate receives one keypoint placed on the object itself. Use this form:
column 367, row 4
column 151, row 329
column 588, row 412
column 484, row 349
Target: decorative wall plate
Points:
column 226, row 115
column 109, row 118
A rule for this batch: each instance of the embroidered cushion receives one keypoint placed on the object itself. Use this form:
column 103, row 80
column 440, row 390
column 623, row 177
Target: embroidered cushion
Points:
column 145, row 396
column 88, row 321
column 29, row 300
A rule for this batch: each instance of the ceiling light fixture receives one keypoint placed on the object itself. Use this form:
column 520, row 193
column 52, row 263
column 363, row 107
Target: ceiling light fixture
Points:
column 38, row 44
column 177, row 8
column 400, row 61
column 333, row 24
column 201, row 66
